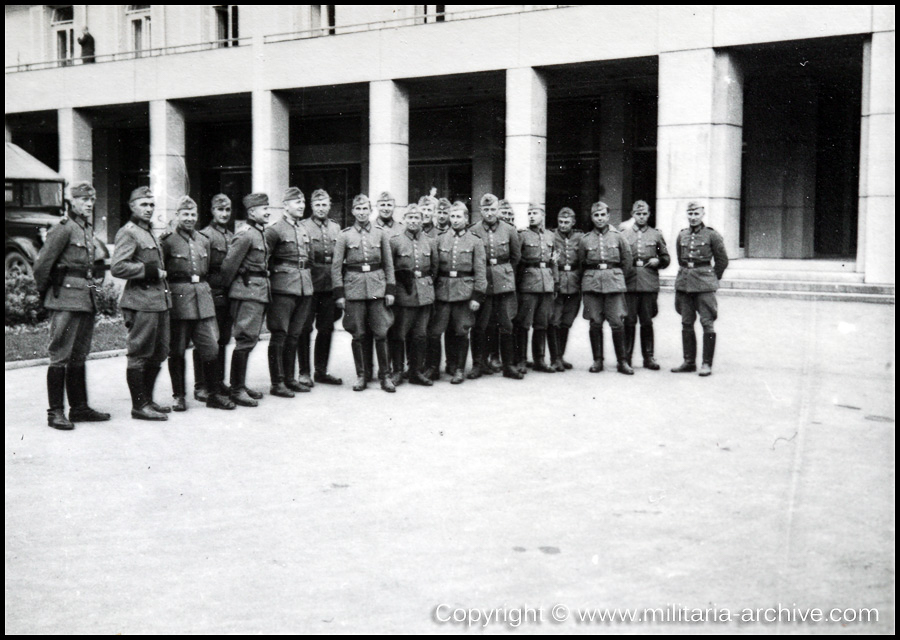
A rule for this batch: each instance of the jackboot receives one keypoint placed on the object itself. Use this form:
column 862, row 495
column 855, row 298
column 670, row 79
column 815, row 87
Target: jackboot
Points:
column 368, row 348
column 288, row 360
column 359, row 361
column 416, row 360
column 521, row 349
column 492, row 346
column 478, row 354
column 384, row 365
column 239, row 394
column 449, row 353
column 302, row 350
column 622, row 366
column 220, row 366
column 595, row 334
column 647, row 348
column 461, row 349
column 276, row 372
column 56, row 396
column 216, row 398
column 553, row 346
column 689, row 348
column 322, row 355
column 538, row 344
column 709, row 350
column 508, row 355
column 151, row 372
column 76, row 388
column 140, row 401
column 432, row 358
column 176, row 373
column 563, row 341
column 397, row 352
column 629, row 342
column 201, row 391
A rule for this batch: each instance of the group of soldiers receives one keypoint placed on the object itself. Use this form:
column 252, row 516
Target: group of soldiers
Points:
column 401, row 286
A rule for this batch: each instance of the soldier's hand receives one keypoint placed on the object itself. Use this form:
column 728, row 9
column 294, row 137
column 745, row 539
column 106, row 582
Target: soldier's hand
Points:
column 162, row 273
column 653, row 263
column 389, row 300
column 339, row 303
column 474, row 306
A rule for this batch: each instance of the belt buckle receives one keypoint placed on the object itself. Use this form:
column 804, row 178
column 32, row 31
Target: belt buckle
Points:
column 327, row 259
column 542, row 265
column 690, row 265
column 366, row 268
column 639, row 263
column 417, row 273
column 89, row 274
column 493, row 261
column 567, row 267
column 453, row 274
column 603, row 265
column 195, row 279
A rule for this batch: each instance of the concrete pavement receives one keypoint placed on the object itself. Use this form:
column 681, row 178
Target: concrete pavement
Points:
column 771, row 482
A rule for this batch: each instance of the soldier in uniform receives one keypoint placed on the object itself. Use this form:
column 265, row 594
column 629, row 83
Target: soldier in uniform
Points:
column 502, row 251
column 64, row 272
column 433, row 350
column 538, row 283
column 145, row 304
column 244, row 273
column 568, row 301
column 460, row 289
column 505, row 212
column 702, row 260
column 186, row 255
column 219, row 237
column 606, row 264
column 323, row 234
column 648, row 248
column 427, row 207
column 363, row 277
column 415, row 259
column 290, row 250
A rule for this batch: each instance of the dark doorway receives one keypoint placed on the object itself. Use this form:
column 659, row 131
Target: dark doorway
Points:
column 341, row 183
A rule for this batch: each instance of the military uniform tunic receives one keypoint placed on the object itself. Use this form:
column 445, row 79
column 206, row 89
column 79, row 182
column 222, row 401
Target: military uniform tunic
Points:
column 244, row 273
column 643, row 286
column 65, row 270
column 290, row 249
column 219, row 238
column 462, row 277
column 568, row 301
column 502, row 252
column 323, row 236
column 415, row 261
column 390, row 227
column 606, row 264
column 539, row 279
column 146, row 300
column 702, row 260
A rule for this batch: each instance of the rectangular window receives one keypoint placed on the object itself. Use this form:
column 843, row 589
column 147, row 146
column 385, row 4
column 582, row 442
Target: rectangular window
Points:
column 332, row 20
column 64, row 30
column 227, row 25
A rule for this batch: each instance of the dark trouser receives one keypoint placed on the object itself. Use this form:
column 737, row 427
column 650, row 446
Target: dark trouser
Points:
column 248, row 321
column 148, row 337
column 690, row 305
column 534, row 311
column 641, row 306
column 361, row 316
column 410, row 327
column 287, row 317
column 605, row 306
column 224, row 322
column 204, row 333
column 565, row 310
column 71, row 333
column 457, row 318
column 325, row 313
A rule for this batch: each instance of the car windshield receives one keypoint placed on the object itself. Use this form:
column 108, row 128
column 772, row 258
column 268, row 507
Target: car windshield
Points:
column 42, row 194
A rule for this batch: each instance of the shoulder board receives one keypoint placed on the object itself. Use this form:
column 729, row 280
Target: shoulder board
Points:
column 165, row 235
column 64, row 220
column 688, row 229
column 711, row 229
column 346, row 230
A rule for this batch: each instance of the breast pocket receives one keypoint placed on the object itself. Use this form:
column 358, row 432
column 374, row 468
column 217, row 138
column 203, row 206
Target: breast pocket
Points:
column 466, row 259
column 77, row 251
column 531, row 249
column 148, row 253
column 612, row 251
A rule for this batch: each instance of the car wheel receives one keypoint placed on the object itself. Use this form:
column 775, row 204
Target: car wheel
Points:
column 16, row 261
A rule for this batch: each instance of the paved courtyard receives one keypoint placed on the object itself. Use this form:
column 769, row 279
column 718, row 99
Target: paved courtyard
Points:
column 769, row 483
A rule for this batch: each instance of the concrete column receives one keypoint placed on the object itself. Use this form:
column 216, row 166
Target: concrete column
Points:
column 615, row 155
column 877, row 160
column 271, row 146
column 699, row 142
column 168, row 172
column 487, row 153
column 389, row 142
column 75, row 145
column 526, row 141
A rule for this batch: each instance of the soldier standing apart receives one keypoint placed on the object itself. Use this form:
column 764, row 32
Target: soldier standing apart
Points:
column 363, row 277
column 433, row 350
column 289, row 250
column 186, row 255
column 460, row 289
column 648, row 248
column 606, row 264
column 323, row 234
column 145, row 304
column 702, row 260
column 415, row 259
column 244, row 273
column 64, row 271
column 502, row 251
column 567, row 302
column 219, row 238
column 538, row 284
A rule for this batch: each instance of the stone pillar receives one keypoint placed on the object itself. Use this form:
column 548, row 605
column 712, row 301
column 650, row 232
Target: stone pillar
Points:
column 487, row 153
column 877, row 157
column 389, row 142
column 271, row 147
column 168, row 172
column 615, row 156
column 75, row 133
column 699, row 142
column 526, row 141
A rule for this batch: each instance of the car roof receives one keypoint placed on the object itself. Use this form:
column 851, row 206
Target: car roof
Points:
column 21, row 165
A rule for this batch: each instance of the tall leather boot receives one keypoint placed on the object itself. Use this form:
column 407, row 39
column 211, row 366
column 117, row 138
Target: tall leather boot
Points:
column 416, row 362
column 508, row 356
column 647, row 348
column 478, row 354
column 450, row 353
column 368, row 348
column 492, row 347
column 176, row 373
column 220, row 364
column 322, row 355
column 56, row 397
column 151, row 372
column 689, row 348
column 432, row 358
column 201, row 391
column 303, row 356
column 521, row 349
column 563, row 342
column 216, row 398
column 76, row 388
column 622, row 365
column 709, row 350
column 595, row 334
column 384, row 365
column 239, row 393
column 538, row 343
column 140, row 401
column 553, row 345
column 461, row 351
column 276, row 371
column 396, row 351
column 359, row 361
column 288, row 366
column 629, row 342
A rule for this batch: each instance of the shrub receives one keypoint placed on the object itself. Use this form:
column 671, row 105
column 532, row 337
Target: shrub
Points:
column 107, row 300
column 25, row 306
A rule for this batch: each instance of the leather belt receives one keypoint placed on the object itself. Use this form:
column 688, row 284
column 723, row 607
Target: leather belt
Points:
column 185, row 278
column 456, row 274
column 691, row 264
column 592, row 266
column 363, row 268
column 535, row 263
column 300, row 264
column 497, row 261
column 256, row 274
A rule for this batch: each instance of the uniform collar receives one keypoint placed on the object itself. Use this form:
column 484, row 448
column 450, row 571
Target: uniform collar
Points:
column 459, row 233
column 389, row 223
column 256, row 225
column 644, row 228
column 140, row 223
column 321, row 223
column 221, row 228
column 604, row 231
column 427, row 227
column 366, row 227
column 491, row 227
column 565, row 236
column 291, row 221
column 81, row 221
column 413, row 236
column 700, row 227
column 539, row 229
column 444, row 228
column 187, row 235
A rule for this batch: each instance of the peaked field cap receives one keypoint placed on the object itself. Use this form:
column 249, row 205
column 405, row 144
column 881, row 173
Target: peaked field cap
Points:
column 459, row 205
column 412, row 208
column 186, row 202
column 385, row 196
column 599, row 206
column 221, row 200
column 140, row 192
column 82, row 190
column 504, row 205
column 361, row 199
column 535, row 207
column 320, row 194
column 256, row 200
column 489, row 199
column 565, row 212
column 424, row 201
column 640, row 205
column 444, row 204
column 292, row 193
column 693, row 205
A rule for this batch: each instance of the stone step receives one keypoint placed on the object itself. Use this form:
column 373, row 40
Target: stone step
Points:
column 838, row 287
column 799, row 276
column 875, row 294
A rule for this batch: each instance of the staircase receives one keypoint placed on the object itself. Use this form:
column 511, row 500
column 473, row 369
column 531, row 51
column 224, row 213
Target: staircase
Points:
column 797, row 279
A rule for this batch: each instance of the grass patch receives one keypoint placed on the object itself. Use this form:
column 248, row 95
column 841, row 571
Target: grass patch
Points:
column 28, row 342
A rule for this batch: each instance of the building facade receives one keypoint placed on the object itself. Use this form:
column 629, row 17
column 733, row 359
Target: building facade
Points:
column 781, row 120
